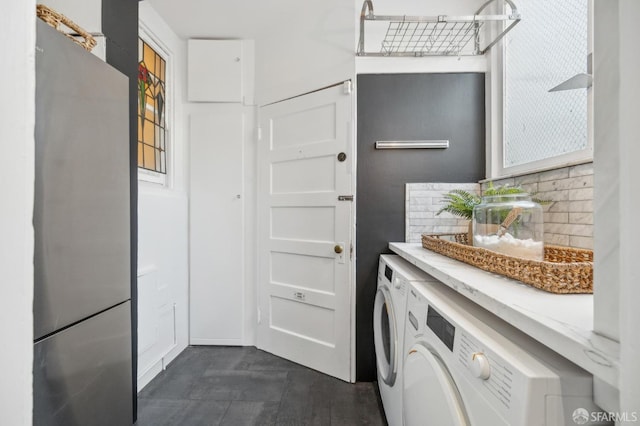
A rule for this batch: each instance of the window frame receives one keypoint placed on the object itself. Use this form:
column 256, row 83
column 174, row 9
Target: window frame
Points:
column 146, row 175
column 496, row 150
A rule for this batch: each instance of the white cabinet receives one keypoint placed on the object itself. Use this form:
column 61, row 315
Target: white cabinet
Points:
column 216, row 228
column 215, row 71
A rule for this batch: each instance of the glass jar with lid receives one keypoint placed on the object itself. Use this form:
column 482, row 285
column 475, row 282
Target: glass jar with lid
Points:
column 511, row 224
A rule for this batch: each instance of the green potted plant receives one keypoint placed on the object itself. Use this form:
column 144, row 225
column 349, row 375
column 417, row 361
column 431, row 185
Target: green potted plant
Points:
column 460, row 203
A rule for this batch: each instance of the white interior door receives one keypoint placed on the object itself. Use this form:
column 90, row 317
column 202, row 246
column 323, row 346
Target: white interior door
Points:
column 304, row 275
column 216, row 223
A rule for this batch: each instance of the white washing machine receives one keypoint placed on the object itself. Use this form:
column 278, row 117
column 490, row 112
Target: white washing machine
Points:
column 465, row 366
column 394, row 276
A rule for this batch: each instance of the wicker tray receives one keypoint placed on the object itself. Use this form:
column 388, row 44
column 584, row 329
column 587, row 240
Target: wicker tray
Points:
column 56, row 19
column 564, row 269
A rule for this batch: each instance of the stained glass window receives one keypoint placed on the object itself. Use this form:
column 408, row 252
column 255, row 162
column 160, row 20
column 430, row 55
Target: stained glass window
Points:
column 152, row 121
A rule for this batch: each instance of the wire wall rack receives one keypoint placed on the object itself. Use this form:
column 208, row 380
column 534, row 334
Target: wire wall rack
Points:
column 440, row 35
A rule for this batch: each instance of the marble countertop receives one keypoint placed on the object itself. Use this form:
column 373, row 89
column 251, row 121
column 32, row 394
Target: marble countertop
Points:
column 563, row 322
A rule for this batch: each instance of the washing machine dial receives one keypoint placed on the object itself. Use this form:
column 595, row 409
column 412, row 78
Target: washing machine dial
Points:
column 397, row 282
column 480, row 365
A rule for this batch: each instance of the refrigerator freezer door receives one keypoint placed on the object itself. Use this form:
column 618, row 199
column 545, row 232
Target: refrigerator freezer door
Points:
column 81, row 212
column 82, row 375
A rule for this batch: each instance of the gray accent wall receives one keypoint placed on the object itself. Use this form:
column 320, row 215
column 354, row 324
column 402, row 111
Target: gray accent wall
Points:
column 407, row 107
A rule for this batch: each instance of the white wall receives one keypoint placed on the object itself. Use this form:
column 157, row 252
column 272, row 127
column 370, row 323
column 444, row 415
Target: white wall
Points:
column 151, row 245
column 163, row 227
column 606, row 89
column 17, row 85
column 617, row 153
column 630, row 205
column 315, row 50
column 434, row 64
column 163, row 303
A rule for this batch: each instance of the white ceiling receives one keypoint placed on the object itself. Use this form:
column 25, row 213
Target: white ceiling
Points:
column 228, row 18
column 252, row 19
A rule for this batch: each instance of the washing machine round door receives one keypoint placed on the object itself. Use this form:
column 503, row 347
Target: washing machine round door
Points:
column 430, row 396
column 385, row 336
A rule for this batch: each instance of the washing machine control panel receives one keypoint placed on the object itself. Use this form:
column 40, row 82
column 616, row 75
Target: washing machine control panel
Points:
column 496, row 375
column 480, row 365
column 388, row 272
column 441, row 327
column 395, row 279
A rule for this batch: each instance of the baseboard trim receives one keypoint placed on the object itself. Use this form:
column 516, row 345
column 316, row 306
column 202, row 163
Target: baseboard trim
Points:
column 149, row 374
column 216, row 342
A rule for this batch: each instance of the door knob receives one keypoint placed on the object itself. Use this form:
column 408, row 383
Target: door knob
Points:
column 338, row 248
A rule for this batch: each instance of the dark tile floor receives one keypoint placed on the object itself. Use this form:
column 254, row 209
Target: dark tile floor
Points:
column 235, row 386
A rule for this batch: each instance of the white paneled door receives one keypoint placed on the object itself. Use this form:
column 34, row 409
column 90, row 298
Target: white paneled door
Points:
column 216, row 224
column 305, row 223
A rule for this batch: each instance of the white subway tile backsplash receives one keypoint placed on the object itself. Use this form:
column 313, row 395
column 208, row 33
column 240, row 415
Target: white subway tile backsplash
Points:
column 584, row 218
column 581, row 194
column 446, row 187
column 423, row 201
column 562, row 195
column 448, row 229
column 568, row 219
column 555, row 228
column 420, row 201
column 531, row 188
column 556, row 239
column 580, row 230
column 569, row 229
column 418, row 186
column 554, row 185
column 423, row 193
column 556, row 217
column 581, row 206
column 559, row 206
column 501, row 182
column 555, row 174
column 581, row 242
column 526, row 179
column 569, row 183
column 453, row 221
column 581, row 170
column 581, row 182
column 421, row 215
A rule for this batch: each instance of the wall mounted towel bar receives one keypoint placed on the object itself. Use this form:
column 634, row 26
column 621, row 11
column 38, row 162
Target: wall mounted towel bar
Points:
column 425, row 144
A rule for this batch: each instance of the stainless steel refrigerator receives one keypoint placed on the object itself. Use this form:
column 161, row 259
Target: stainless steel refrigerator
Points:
column 82, row 302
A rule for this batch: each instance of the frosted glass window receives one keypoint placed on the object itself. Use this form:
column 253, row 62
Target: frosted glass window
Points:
column 546, row 48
